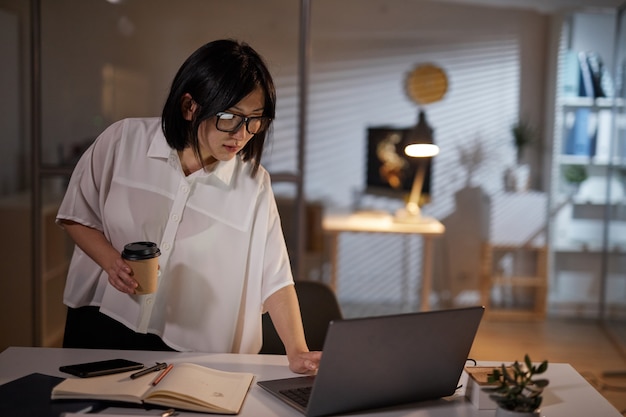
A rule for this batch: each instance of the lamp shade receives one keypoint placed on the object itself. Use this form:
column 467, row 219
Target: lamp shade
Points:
column 419, row 142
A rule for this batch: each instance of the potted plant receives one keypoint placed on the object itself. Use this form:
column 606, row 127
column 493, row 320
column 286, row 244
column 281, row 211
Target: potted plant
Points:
column 518, row 176
column 574, row 176
column 524, row 134
column 516, row 393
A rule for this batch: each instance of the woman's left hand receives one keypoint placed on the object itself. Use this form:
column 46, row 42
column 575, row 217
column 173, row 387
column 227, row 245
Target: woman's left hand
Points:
column 305, row 362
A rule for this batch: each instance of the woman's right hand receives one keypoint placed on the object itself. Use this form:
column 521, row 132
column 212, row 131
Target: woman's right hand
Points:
column 305, row 362
column 97, row 247
column 120, row 276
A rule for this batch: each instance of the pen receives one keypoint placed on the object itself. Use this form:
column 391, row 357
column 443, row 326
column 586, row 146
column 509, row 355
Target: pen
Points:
column 146, row 371
column 162, row 374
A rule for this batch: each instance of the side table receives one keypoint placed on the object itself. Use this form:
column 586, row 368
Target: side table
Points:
column 427, row 227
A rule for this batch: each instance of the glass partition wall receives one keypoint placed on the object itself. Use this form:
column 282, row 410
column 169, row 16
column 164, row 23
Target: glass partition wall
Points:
column 588, row 228
column 93, row 63
column 87, row 64
column 613, row 295
column 16, row 286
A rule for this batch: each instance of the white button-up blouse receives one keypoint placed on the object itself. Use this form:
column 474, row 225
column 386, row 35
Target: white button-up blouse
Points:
column 222, row 248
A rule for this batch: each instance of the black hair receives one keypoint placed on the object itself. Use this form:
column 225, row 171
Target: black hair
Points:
column 217, row 75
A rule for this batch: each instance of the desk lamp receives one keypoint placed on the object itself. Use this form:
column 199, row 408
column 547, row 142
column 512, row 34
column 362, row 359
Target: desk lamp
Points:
column 418, row 143
column 425, row 84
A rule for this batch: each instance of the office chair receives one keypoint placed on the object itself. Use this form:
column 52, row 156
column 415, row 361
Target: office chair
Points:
column 318, row 306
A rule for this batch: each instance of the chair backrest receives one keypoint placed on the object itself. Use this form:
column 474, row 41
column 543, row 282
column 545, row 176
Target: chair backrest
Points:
column 318, row 306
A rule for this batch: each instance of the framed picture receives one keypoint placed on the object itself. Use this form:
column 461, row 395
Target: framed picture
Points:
column 390, row 171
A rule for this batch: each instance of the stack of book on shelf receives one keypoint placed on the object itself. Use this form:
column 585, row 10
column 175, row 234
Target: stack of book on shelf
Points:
column 585, row 75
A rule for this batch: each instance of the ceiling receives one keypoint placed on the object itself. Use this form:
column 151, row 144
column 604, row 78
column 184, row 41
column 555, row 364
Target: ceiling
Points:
column 543, row 6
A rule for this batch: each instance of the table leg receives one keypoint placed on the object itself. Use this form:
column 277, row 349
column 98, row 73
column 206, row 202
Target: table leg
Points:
column 427, row 272
column 407, row 305
column 334, row 247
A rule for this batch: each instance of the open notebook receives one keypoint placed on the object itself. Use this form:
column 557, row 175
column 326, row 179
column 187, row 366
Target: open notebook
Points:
column 187, row 386
column 381, row 361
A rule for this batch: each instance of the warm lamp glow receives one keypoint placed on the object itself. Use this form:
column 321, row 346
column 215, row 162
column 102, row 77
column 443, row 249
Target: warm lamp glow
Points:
column 421, row 150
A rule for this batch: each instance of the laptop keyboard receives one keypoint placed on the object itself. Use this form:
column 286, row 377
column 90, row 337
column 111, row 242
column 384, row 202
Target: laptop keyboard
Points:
column 299, row 395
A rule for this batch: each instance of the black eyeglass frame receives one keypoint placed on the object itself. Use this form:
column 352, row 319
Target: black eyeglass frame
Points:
column 265, row 122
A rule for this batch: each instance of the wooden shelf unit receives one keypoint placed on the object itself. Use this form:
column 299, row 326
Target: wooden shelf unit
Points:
column 533, row 284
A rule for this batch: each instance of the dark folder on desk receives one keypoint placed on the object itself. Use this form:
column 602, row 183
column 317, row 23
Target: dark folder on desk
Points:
column 383, row 361
column 29, row 396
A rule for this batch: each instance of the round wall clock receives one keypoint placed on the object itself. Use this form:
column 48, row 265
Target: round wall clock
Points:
column 426, row 84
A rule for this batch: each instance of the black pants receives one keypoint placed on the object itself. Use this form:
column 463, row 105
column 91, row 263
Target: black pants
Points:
column 86, row 327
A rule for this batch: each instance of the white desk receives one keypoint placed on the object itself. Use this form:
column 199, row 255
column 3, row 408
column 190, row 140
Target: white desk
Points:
column 428, row 228
column 568, row 395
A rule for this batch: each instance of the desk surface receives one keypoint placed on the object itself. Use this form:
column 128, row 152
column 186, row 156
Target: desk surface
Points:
column 568, row 395
column 380, row 223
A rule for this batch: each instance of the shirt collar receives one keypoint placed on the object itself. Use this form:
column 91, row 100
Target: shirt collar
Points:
column 224, row 170
column 159, row 148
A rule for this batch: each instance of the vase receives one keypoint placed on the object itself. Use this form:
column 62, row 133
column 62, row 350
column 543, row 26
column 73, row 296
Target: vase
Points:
column 517, row 178
column 522, row 177
column 501, row 412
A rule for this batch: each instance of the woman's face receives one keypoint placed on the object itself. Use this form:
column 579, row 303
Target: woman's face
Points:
column 217, row 145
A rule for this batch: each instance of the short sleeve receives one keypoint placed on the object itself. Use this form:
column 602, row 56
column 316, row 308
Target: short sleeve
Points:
column 90, row 180
column 276, row 265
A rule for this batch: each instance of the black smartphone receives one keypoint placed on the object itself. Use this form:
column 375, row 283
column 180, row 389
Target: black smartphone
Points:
column 111, row 366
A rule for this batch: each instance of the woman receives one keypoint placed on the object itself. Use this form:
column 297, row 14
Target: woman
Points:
column 192, row 182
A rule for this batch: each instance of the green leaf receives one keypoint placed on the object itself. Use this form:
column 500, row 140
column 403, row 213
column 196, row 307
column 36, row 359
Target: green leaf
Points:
column 543, row 367
column 529, row 363
column 508, row 377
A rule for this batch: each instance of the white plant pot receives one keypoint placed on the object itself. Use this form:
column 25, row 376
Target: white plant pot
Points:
column 517, row 178
column 501, row 412
column 522, row 175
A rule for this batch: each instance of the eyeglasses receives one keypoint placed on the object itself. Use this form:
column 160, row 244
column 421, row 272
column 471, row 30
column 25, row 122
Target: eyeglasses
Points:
column 228, row 122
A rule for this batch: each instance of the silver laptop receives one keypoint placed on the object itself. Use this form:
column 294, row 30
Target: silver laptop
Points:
column 383, row 361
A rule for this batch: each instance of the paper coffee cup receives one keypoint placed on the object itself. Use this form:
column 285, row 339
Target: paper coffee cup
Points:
column 143, row 259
